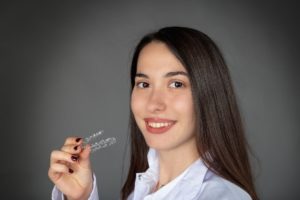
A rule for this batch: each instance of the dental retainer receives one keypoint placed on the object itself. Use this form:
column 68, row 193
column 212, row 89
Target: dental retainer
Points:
column 96, row 143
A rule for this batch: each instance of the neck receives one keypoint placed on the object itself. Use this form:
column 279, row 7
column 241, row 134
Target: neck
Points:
column 173, row 162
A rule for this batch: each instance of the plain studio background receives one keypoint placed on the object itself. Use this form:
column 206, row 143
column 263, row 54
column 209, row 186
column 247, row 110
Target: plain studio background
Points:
column 65, row 71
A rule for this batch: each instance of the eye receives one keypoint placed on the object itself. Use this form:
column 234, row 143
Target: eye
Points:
column 142, row 84
column 176, row 84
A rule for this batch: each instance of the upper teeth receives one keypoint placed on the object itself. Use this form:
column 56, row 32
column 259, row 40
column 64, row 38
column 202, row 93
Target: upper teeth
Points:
column 158, row 125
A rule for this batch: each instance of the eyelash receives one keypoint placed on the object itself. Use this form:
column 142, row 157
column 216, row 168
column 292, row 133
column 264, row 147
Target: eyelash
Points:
column 181, row 84
column 138, row 84
column 174, row 82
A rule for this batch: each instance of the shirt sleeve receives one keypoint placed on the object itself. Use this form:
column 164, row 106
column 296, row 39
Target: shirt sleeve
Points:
column 58, row 195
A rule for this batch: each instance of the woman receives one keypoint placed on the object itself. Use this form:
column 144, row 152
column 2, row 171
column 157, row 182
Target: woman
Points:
column 187, row 139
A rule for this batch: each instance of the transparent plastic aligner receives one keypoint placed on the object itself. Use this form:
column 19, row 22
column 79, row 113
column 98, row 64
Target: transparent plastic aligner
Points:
column 97, row 143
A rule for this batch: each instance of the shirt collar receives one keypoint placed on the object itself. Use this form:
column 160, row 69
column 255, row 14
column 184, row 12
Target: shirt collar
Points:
column 145, row 182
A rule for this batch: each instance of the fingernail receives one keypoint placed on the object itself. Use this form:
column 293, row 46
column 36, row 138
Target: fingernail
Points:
column 76, row 147
column 71, row 171
column 78, row 139
column 74, row 158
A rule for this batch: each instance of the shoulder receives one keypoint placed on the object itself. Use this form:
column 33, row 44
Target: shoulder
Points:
column 216, row 187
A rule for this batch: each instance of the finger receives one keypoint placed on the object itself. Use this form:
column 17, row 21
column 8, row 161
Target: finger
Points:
column 72, row 149
column 56, row 170
column 73, row 140
column 86, row 151
column 59, row 168
column 57, row 156
column 63, row 162
column 84, row 159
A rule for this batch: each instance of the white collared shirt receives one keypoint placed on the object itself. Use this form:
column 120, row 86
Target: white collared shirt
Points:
column 197, row 182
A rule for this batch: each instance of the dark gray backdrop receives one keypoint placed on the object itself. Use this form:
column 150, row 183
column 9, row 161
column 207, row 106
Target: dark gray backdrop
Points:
column 65, row 71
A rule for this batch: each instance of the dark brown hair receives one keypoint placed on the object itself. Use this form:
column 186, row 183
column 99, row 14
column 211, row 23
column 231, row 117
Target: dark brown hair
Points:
column 220, row 140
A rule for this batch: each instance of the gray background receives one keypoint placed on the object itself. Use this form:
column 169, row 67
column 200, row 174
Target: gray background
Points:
column 65, row 71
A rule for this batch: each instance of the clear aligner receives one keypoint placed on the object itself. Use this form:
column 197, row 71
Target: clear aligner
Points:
column 93, row 136
column 103, row 144
column 95, row 142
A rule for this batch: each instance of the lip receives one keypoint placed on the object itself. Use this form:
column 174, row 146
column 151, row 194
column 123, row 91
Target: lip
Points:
column 160, row 130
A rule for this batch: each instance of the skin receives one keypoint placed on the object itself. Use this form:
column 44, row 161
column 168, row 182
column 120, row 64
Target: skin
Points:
column 77, row 184
column 157, row 94
column 160, row 93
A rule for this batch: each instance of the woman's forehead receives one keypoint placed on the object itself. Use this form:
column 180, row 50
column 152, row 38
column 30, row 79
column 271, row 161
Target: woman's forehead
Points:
column 156, row 56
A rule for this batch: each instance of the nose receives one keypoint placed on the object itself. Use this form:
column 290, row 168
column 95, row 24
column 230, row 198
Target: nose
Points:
column 156, row 102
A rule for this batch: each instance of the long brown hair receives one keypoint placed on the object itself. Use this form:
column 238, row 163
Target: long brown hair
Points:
column 220, row 140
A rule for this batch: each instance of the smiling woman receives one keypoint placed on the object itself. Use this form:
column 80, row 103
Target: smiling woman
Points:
column 162, row 101
column 187, row 139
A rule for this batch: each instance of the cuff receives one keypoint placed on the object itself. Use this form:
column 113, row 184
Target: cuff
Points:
column 58, row 195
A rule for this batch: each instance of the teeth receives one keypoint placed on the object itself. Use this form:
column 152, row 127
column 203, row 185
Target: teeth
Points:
column 158, row 125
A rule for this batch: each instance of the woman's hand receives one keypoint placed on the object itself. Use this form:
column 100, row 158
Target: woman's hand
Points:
column 70, row 169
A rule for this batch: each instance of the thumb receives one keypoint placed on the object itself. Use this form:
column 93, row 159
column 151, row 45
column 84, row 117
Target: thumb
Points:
column 85, row 156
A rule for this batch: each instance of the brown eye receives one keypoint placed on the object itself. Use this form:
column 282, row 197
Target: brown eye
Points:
column 142, row 85
column 176, row 84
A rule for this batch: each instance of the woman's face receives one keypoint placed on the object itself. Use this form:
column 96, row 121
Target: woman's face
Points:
column 161, row 100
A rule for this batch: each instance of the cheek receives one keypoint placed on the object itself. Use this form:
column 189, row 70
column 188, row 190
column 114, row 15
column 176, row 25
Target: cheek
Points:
column 136, row 104
column 183, row 104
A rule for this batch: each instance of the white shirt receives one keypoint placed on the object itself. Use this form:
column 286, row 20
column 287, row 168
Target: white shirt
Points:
column 197, row 182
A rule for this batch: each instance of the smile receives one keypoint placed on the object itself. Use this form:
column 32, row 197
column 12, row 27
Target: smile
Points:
column 158, row 126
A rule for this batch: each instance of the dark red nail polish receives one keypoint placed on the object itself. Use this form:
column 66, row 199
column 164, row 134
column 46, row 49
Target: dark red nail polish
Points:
column 74, row 158
column 76, row 147
column 71, row 171
column 78, row 139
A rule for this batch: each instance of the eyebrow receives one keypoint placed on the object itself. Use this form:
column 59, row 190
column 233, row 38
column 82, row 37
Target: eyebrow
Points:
column 169, row 74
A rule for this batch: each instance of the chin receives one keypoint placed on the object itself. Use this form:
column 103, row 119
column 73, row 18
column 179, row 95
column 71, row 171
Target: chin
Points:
column 154, row 144
column 158, row 145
